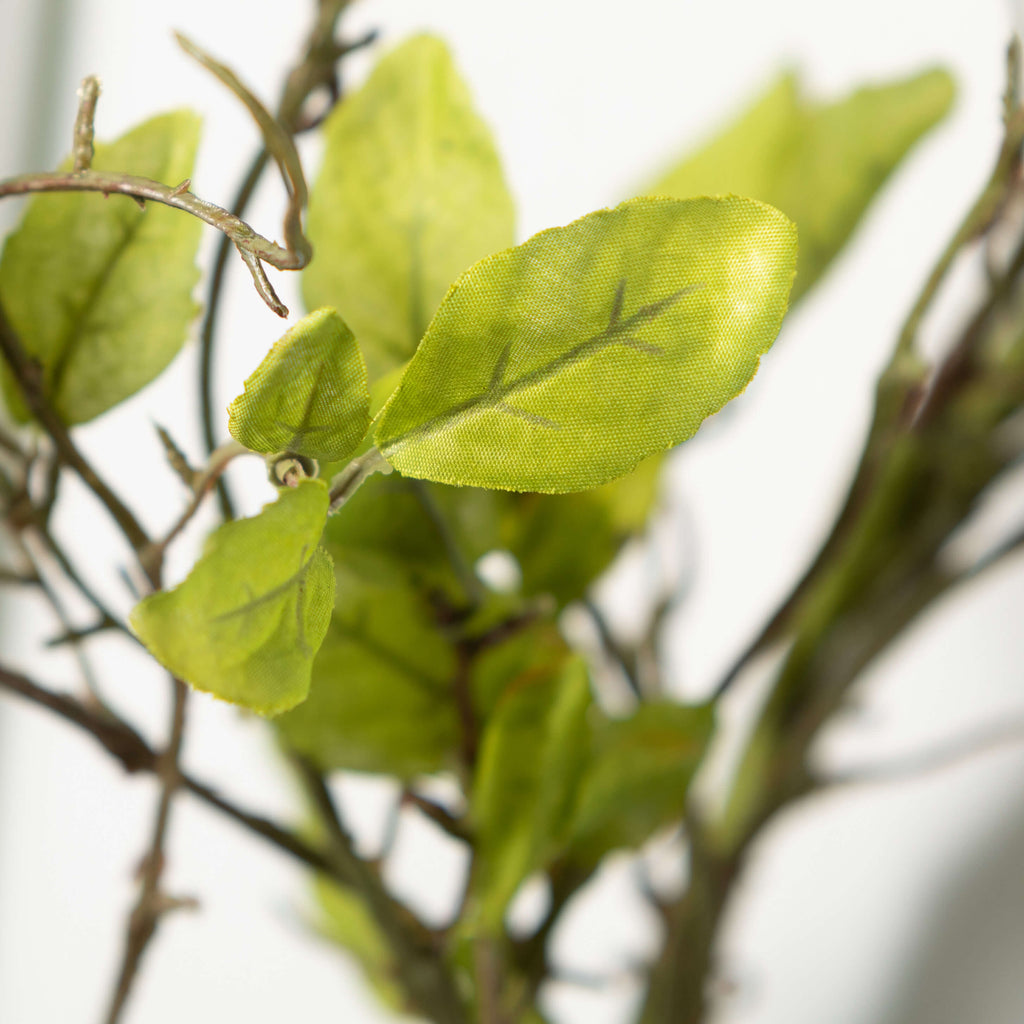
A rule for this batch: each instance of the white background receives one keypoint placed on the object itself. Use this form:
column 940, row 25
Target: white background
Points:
column 909, row 896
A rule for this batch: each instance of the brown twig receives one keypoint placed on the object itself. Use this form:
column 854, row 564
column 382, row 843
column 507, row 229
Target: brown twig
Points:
column 207, row 480
column 316, row 69
column 82, row 147
column 948, row 755
column 152, row 903
column 421, row 969
column 251, row 246
column 29, row 377
column 134, row 754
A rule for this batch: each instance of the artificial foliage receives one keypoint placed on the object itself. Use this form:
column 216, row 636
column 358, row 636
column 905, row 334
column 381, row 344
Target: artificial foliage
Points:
column 447, row 395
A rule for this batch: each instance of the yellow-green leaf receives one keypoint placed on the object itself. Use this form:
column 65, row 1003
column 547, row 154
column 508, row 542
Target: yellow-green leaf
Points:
column 410, row 194
column 560, row 364
column 99, row 291
column 820, row 164
column 309, row 394
column 249, row 618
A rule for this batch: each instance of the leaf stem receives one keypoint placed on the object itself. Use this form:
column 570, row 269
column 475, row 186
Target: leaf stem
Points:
column 352, row 477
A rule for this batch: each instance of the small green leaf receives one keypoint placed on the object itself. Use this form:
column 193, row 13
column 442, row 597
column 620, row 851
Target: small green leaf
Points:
column 637, row 780
column 559, row 364
column 247, row 621
column 820, row 164
column 533, row 753
column 309, row 394
column 410, row 194
column 99, row 291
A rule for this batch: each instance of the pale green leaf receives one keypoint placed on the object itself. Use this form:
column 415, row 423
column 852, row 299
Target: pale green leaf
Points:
column 560, row 364
column 533, row 752
column 99, row 291
column 563, row 542
column 409, row 195
column 638, row 777
column 820, row 164
column 382, row 692
column 249, row 618
column 309, row 394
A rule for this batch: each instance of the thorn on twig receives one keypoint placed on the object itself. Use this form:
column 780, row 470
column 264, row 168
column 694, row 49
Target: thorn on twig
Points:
column 177, row 460
column 164, row 903
column 182, row 188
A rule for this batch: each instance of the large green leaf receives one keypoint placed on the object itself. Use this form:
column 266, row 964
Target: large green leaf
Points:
column 99, row 291
column 559, row 364
column 410, row 194
column 309, row 394
column 534, row 750
column 818, row 163
column 249, row 618
column 638, row 777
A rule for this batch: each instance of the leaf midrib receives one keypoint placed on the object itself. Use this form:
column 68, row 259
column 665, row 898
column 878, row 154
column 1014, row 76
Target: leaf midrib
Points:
column 77, row 332
column 498, row 393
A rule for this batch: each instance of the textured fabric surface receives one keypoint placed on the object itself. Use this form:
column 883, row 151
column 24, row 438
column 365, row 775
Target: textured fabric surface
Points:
column 561, row 363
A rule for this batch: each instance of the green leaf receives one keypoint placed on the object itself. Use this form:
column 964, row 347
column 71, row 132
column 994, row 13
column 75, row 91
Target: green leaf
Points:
column 309, row 394
column 563, row 542
column 819, row 163
column 407, row 522
column 410, row 194
column 533, row 753
column 99, row 291
column 382, row 692
column 559, row 364
column 638, row 777
column 247, row 621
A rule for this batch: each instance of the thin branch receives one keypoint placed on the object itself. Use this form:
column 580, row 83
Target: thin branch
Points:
column 985, row 210
column 252, row 247
column 279, row 144
column 948, row 755
column 622, row 656
column 82, row 148
column 316, row 69
column 152, row 904
column 439, row 815
column 134, row 754
column 29, row 377
column 118, row 738
column 42, row 533
column 71, row 634
column 219, row 461
column 421, row 970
